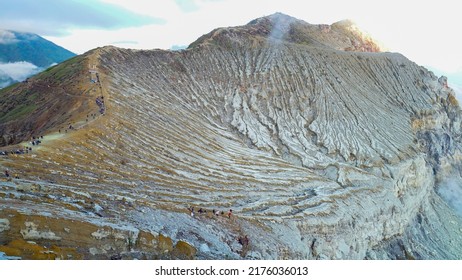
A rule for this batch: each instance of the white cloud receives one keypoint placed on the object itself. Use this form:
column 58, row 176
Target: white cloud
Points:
column 7, row 37
column 18, row 71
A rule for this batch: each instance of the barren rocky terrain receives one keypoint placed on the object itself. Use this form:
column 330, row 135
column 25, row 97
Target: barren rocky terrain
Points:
column 323, row 145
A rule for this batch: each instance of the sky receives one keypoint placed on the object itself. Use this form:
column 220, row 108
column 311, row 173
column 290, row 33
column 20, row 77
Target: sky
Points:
column 426, row 32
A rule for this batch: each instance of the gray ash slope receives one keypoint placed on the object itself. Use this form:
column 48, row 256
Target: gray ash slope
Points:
column 322, row 145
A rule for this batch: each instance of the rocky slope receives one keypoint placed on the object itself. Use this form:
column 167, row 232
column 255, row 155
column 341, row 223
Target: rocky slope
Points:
column 323, row 147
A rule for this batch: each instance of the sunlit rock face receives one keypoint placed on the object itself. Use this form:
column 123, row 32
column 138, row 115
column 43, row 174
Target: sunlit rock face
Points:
column 323, row 147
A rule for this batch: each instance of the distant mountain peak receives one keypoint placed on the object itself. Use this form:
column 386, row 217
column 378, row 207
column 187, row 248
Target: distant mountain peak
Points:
column 23, row 46
column 276, row 17
column 20, row 49
column 13, row 37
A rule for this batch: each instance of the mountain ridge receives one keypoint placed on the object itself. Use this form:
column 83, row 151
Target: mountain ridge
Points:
column 342, row 35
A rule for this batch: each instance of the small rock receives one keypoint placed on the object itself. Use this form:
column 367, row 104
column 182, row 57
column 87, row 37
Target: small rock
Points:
column 184, row 250
column 97, row 207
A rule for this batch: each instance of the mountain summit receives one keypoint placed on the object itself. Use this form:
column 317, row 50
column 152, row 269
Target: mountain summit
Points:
column 342, row 35
column 304, row 138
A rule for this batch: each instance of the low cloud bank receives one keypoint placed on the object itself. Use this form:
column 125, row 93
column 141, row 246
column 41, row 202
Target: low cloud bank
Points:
column 17, row 72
